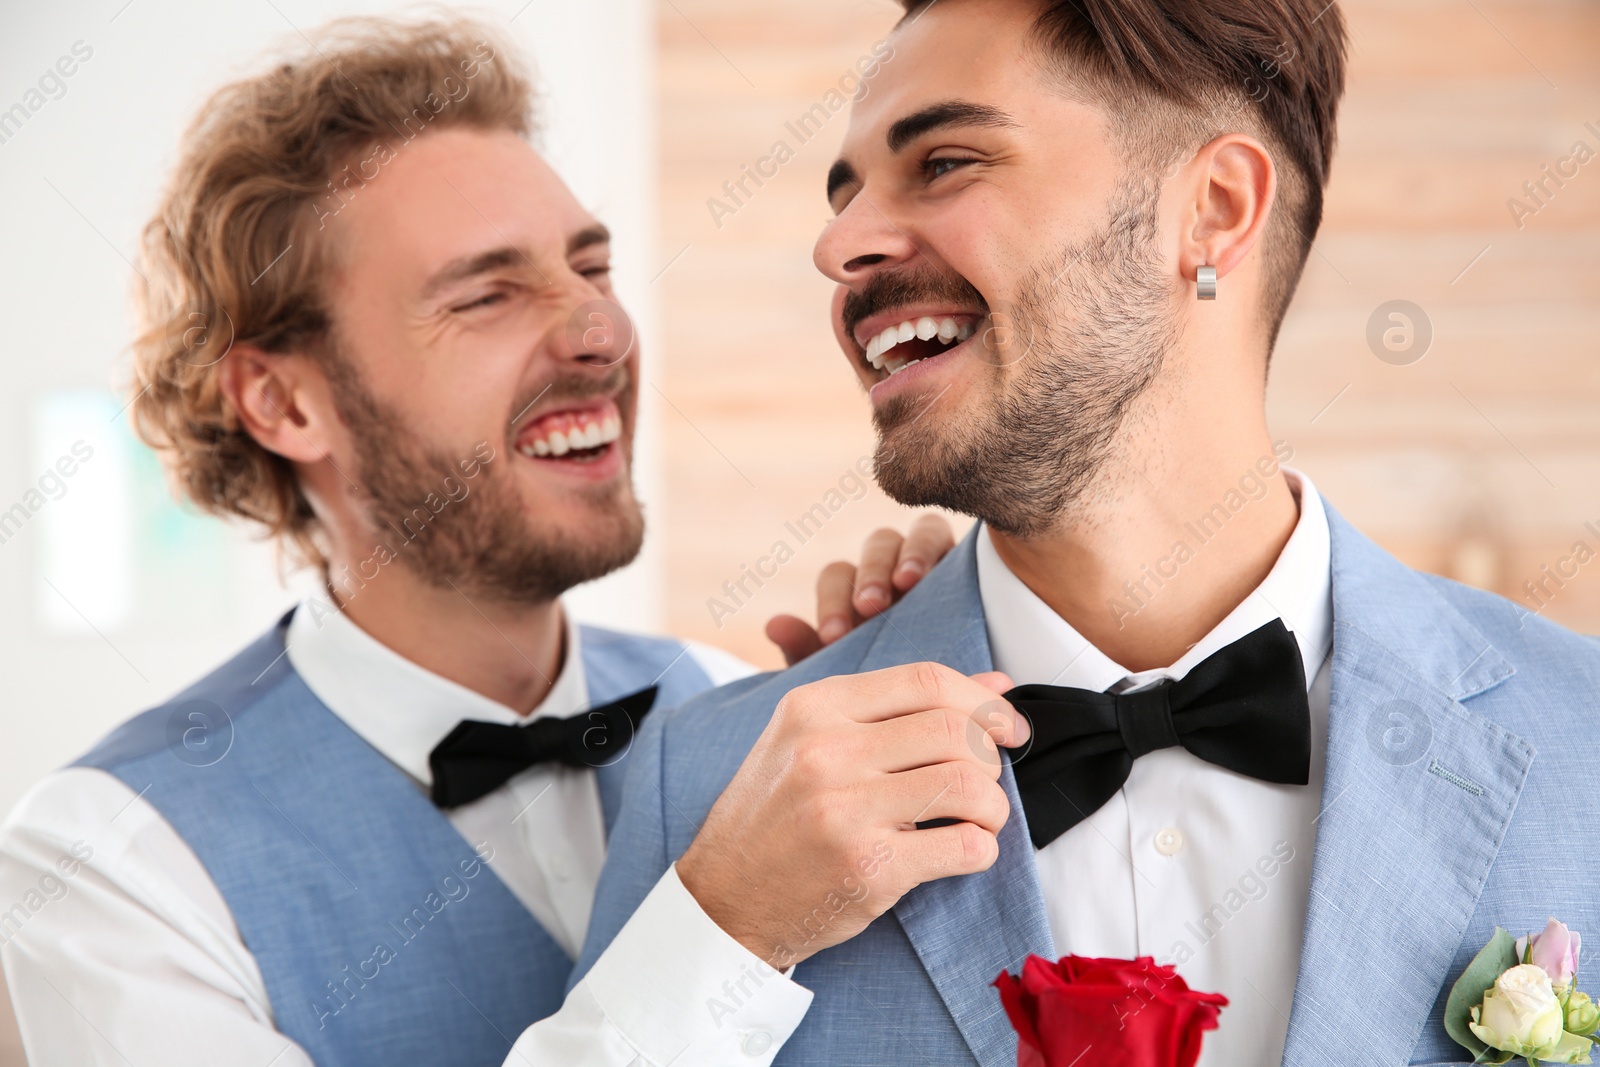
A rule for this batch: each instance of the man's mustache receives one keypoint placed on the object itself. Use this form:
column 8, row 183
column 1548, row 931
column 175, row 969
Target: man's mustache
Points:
column 570, row 389
column 901, row 288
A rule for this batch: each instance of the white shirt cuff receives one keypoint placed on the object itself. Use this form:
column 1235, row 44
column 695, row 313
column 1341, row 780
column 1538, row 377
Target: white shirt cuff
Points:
column 681, row 990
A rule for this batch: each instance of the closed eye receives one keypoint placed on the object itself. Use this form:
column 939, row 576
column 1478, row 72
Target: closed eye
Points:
column 487, row 300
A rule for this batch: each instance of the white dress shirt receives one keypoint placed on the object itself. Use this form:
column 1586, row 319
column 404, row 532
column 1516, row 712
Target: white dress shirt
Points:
column 1196, row 865
column 124, row 950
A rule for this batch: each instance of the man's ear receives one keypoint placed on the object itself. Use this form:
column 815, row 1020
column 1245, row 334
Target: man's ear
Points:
column 1234, row 186
column 283, row 401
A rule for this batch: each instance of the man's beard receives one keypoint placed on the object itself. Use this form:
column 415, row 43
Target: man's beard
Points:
column 1094, row 328
column 483, row 543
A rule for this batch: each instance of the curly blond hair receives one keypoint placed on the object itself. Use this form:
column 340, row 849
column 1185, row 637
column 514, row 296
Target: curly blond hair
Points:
column 234, row 253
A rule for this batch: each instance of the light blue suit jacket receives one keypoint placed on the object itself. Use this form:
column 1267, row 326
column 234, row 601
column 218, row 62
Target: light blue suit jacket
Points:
column 1429, row 836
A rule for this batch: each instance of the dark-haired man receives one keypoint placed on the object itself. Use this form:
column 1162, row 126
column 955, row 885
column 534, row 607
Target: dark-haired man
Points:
column 1260, row 749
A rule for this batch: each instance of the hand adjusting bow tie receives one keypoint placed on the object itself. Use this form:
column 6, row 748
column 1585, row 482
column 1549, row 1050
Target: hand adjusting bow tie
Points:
column 476, row 758
column 1243, row 708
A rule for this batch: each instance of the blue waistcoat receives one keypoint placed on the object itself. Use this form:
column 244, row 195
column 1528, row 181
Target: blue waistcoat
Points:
column 382, row 937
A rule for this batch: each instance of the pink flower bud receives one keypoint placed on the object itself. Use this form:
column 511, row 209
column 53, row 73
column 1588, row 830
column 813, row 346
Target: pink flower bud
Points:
column 1555, row 951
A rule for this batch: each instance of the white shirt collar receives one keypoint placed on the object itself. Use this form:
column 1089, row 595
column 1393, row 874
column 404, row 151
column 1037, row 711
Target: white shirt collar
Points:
column 399, row 708
column 1031, row 643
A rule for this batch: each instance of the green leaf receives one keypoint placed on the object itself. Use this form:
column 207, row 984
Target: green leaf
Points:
column 1493, row 1055
column 1497, row 957
column 1572, row 1049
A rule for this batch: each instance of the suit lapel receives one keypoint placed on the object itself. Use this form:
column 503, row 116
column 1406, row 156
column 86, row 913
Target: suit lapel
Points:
column 967, row 930
column 609, row 780
column 1417, row 795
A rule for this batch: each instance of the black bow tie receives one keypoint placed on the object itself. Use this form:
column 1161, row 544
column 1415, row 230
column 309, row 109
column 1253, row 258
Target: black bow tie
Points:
column 1243, row 708
column 476, row 758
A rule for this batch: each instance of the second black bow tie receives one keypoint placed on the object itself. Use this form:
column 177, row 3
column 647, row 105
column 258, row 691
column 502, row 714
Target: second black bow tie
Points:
column 1243, row 708
column 476, row 758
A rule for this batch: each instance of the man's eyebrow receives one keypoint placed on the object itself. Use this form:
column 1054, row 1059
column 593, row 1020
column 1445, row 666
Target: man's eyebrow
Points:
column 470, row 266
column 949, row 113
column 841, row 173
column 589, row 235
column 944, row 115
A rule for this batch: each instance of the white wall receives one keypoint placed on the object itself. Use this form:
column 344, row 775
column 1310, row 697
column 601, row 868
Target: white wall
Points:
column 141, row 599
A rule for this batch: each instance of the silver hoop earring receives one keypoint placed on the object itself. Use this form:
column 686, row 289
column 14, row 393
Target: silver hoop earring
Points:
column 1205, row 283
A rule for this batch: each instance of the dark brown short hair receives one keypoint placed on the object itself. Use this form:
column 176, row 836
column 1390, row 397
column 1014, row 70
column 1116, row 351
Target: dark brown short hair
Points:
column 1175, row 73
column 239, row 247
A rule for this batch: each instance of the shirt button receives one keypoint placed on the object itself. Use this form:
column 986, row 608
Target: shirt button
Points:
column 561, row 867
column 756, row 1042
column 1169, row 840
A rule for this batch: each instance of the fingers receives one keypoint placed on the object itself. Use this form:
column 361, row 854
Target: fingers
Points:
column 836, row 615
column 880, row 559
column 1004, row 723
column 794, row 637
column 891, row 563
column 942, row 735
column 956, row 790
column 942, row 852
column 996, row 680
column 929, row 540
column 894, row 691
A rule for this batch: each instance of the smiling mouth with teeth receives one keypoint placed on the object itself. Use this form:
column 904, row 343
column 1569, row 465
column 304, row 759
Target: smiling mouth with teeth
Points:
column 910, row 342
column 573, row 436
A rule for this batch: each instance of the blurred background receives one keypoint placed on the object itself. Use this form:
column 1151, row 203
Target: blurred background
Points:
column 1463, row 435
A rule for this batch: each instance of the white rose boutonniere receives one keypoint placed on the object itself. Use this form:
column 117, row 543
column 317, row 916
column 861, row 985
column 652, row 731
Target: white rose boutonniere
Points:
column 1520, row 998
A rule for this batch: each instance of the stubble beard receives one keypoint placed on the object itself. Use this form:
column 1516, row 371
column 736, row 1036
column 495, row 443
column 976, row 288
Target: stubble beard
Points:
column 1094, row 327
column 481, row 542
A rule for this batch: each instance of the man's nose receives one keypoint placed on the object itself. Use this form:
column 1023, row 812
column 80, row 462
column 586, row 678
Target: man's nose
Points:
column 859, row 240
column 596, row 330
